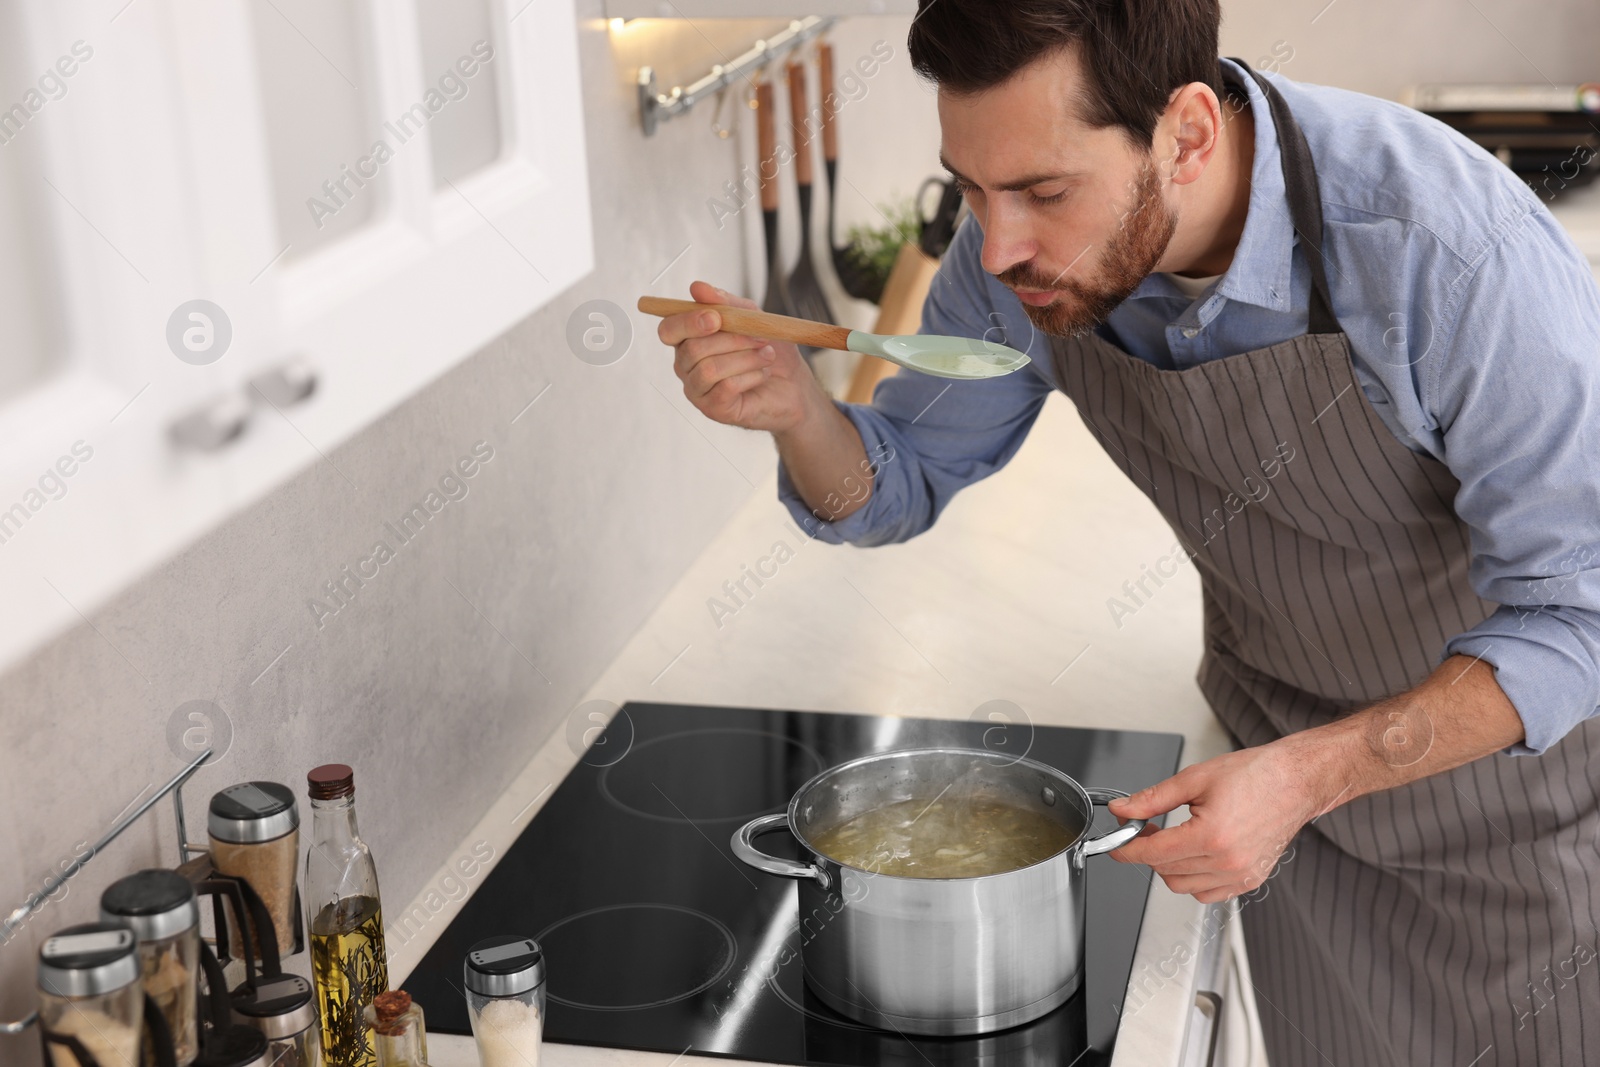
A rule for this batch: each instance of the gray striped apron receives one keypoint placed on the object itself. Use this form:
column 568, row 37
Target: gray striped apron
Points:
column 1451, row 921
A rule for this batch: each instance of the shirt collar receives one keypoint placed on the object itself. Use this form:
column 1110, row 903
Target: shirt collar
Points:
column 1260, row 271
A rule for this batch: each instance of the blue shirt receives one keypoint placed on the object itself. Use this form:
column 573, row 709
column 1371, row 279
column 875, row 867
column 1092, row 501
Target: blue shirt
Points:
column 1475, row 328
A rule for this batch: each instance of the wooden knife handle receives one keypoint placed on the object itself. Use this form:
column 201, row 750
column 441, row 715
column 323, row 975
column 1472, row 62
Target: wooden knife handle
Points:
column 799, row 117
column 766, row 147
column 830, row 133
column 756, row 323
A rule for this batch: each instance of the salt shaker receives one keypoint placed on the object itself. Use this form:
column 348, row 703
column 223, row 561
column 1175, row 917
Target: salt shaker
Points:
column 504, row 977
column 90, row 996
column 159, row 907
column 284, row 1009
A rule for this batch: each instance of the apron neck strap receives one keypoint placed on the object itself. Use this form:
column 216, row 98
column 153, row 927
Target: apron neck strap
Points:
column 1305, row 201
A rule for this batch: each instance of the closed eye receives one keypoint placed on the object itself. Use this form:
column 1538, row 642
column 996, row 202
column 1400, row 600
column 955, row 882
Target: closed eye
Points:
column 966, row 188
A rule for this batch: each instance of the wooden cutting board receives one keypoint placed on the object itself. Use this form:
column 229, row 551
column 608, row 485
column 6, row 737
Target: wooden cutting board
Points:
column 899, row 312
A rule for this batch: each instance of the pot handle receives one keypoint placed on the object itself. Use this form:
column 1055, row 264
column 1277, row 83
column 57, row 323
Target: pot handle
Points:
column 1112, row 839
column 744, row 847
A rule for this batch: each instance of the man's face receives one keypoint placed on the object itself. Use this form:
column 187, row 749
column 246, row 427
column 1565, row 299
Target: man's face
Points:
column 1074, row 218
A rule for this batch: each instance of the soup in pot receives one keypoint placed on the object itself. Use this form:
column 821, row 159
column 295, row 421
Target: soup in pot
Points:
column 959, row 838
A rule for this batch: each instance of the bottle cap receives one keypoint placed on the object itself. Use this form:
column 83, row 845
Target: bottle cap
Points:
column 252, row 812
column 331, row 781
column 88, row 960
column 154, row 904
column 504, row 966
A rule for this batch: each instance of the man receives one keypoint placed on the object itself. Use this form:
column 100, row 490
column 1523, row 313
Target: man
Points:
column 1356, row 365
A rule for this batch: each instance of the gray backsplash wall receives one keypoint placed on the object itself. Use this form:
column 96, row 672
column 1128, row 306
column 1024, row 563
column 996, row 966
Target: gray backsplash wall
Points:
column 447, row 670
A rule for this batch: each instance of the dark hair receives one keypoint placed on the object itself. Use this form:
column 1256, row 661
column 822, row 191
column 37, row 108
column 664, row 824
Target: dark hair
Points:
column 1134, row 53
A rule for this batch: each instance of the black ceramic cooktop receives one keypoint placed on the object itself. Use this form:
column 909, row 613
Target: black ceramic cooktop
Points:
column 657, row 938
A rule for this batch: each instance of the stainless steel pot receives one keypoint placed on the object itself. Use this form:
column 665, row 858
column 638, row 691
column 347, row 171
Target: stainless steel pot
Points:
column 939, row 956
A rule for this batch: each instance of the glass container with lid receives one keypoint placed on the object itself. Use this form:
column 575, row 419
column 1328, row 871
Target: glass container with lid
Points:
column 90, row 998
column 284, row 1009
column 255, row 835
column 159, row 906
column 504, row 977
column 398, row 1034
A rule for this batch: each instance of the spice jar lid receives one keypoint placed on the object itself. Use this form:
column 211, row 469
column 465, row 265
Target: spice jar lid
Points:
column 504, row 966
column 252, row 812
column 235, row 1046
column 88, row 960
column 154, row 904
column 279, row 1007
column 331, row 781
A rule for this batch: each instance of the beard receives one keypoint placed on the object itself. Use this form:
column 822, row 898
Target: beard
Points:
column 1129, row 257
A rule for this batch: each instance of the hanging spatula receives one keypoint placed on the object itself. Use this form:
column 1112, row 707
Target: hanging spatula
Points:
column 806, row 299
column 855, row 277
column 776, row 299
column 963, row 358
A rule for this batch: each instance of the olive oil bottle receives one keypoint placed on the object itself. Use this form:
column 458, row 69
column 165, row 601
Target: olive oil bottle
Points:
column 349, row 966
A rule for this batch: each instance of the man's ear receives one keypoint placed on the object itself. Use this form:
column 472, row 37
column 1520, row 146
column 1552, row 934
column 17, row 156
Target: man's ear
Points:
column 1188, row 132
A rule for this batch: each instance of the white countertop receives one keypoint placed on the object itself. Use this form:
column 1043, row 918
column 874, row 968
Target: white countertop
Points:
column 1004, row 599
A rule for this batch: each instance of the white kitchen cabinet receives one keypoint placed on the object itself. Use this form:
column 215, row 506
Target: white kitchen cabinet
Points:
column 1224, row 1029
column 1239, row 1042
column 171, row 151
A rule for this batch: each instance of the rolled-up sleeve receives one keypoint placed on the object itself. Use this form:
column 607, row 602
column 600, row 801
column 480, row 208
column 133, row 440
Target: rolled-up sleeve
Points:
column 1517, row 396
column 928, row 437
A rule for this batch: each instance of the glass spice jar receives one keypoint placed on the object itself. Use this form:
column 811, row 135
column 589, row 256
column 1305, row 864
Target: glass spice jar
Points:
column 398, row 1034
column 504, row 977
column 284, row 1009
column 159, row 907
column 255, row 835
column 89, row 992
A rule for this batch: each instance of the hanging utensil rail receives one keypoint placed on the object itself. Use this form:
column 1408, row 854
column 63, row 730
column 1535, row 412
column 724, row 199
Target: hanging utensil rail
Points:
column 656, row 107
column 35, row 901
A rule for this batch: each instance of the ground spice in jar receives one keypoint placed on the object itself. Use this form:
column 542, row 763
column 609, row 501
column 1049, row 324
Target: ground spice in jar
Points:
column 111, row 1042
column 508, row 1033
column 254, row 829
column 504, row 979
column 390, row 1009
column 170, row 983
column 159, row 906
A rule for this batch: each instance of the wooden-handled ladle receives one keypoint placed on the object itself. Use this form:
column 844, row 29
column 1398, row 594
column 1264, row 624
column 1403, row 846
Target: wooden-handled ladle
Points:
column 963, row 358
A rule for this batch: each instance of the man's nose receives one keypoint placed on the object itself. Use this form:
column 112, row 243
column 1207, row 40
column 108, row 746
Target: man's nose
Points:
column 1007, row 240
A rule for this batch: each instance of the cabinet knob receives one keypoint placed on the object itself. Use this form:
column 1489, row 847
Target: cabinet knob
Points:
column 213, row 424
column 288, row 383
